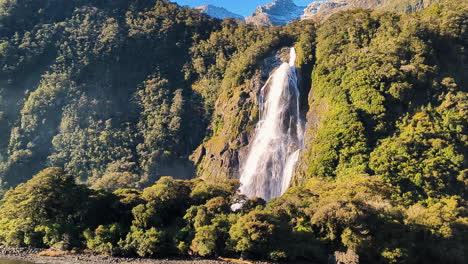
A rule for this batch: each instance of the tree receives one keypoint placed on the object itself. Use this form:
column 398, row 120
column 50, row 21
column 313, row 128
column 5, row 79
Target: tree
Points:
column 254, row 234
column 43, row 210
column 204, row 243
column 104, row 239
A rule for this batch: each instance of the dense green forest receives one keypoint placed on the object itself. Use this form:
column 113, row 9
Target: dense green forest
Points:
column 101, row 88
column 121, row 123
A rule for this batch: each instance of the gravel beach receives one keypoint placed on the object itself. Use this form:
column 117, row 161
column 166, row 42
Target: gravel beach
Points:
column 32, row 255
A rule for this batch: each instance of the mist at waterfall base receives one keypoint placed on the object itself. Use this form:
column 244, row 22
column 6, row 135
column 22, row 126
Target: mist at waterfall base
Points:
column 274, row 150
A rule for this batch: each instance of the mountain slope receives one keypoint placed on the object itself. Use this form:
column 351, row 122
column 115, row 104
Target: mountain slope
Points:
column 379, row 99
column 281, row 12
column 99, row 89
column 323, row 9
column 277, row 13
column 218, row 12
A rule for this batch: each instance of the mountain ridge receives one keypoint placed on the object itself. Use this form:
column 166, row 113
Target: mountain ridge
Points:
column 321, row 10
column 276, row 13
column 282, row 12
column 218, row 12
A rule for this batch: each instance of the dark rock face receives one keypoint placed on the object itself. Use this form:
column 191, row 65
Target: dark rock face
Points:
column 219, row 156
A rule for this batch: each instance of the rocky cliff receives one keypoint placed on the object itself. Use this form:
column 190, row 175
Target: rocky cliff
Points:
column 321, row 10
column 281, row 12
column 235, row 118
column 277, row 13
column 218, row 12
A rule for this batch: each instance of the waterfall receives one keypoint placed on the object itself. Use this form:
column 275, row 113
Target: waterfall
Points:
column 278, row 138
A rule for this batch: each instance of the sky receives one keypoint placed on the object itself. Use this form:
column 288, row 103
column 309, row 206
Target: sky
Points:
column 241, row 7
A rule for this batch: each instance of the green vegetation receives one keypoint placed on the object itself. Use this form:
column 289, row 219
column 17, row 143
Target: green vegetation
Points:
column 230, row 87
column 112, row 88
column 115, row 106
column 98, row 88
column 51, row 210
column 389, row 94
column 194, row 217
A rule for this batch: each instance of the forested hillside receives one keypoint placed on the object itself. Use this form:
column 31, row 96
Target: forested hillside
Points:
column 116, row 92
column 123, row 125
column 101, row 88
column 389, row 98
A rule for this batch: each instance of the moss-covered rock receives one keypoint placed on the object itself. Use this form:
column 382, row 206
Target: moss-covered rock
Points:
column 235, row 117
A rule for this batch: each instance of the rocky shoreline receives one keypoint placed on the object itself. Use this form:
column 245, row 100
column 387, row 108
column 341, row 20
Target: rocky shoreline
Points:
column 36, row 256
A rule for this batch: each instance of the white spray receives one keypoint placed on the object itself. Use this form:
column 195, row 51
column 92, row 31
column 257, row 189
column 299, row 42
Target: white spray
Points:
column 278, row 138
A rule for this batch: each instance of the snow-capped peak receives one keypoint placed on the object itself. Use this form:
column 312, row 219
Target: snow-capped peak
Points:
column 218, row 12
column 313, row 8
column 279, row 12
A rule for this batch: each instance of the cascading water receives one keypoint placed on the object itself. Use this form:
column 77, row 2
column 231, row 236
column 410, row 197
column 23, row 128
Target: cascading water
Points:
column 278, row 138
